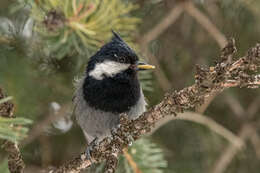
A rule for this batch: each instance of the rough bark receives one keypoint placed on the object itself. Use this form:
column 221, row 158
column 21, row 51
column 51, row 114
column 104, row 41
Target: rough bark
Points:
column 226, row 73
column 15, row 161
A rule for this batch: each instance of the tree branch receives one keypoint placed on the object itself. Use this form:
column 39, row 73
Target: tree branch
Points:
column 15, row 161
column 205, row 121
column 207, row 81
column 215, row 33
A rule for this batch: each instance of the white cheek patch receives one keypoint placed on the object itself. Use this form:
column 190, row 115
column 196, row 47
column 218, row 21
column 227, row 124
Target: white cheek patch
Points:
column 107, row 68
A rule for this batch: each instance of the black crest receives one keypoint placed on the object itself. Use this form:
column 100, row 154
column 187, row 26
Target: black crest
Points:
column 116, row 36
column 115, row 50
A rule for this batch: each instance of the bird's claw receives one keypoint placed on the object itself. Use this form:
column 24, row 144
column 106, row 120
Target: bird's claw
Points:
column 88, row 151
column 90, row 147
column 113, row 131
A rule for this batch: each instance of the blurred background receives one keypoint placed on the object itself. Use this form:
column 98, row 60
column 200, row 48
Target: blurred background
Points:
column 45, row 45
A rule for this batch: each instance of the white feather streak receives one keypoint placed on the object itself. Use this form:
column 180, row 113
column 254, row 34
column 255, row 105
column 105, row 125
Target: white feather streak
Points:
column 107, row 68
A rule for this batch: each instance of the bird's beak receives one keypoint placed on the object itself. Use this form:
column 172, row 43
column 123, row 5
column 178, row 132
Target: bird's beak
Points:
column 144, row 66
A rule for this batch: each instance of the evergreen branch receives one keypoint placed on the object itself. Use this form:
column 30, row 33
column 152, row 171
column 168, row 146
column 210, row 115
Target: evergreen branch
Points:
column 207, row 81
column 80, row 19
column 10, row 128
column 5, row 99
column 15, row 161
column 148, row 156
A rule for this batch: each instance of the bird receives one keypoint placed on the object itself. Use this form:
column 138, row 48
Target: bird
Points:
column 108, row 88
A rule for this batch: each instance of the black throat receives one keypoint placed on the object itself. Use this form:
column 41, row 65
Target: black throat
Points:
column 115, row 94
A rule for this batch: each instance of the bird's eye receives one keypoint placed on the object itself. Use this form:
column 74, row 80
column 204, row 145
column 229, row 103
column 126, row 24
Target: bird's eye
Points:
column 122, row 60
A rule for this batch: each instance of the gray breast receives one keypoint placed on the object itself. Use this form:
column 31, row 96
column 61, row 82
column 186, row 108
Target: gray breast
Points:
column 97, row 123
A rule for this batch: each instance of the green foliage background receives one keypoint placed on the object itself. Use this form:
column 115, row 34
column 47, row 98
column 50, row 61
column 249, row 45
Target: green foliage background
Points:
column 43, row 46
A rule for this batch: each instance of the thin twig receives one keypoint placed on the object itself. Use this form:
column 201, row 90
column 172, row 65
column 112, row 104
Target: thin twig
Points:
column 167, row 21
column 159, row 74
column 206, row 23
column 233, row 83
column 201, row 109
column 236, row 107
column 230, row 152
column 255, row 140
column 245, row 133
column 205, row 121
column 131, row 161
column 252, row 6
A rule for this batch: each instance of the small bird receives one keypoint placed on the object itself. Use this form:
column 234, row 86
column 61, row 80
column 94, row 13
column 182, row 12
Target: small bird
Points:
column 109, row 87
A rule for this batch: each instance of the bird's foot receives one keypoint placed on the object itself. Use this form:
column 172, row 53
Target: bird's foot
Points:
column 90, row 147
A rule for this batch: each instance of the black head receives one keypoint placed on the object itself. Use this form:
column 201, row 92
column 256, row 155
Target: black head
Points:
column 111, row 82
column 116, row 51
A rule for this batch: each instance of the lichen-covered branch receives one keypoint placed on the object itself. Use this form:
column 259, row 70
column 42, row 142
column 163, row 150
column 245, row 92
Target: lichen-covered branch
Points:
column 226, row 73
column 15, row 161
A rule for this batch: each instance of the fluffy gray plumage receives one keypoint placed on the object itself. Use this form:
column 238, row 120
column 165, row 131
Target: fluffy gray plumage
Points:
column 97, row 123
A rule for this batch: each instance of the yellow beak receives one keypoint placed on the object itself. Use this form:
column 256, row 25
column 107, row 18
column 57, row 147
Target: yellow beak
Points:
column 143, row 66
